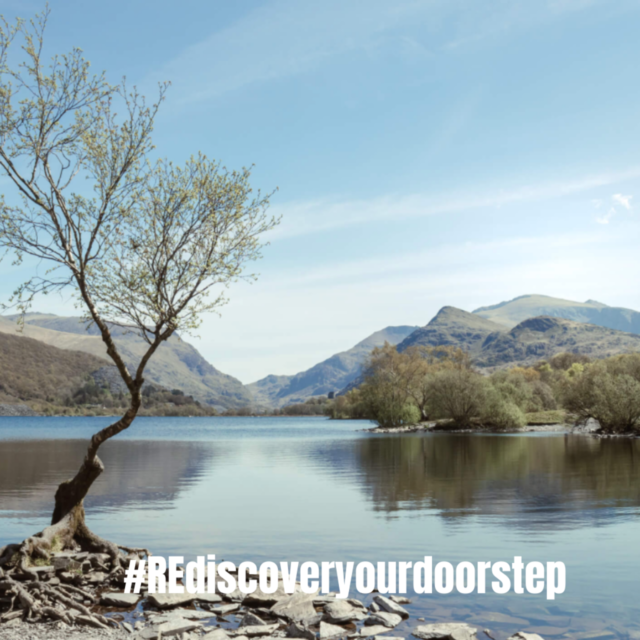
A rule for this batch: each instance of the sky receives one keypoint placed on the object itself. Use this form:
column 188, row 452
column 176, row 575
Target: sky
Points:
column 426, row 153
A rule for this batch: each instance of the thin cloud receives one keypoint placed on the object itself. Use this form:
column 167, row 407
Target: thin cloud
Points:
column 303, row 218
column 624, row 201
column 606, row 218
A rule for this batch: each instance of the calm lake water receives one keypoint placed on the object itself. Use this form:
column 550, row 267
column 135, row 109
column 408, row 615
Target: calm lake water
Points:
column 312, row 489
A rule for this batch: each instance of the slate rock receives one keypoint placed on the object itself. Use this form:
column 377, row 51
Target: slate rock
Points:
column 251, row 619
column 373, row 630
column 217, row 634
column 123, row 600
column 296, row 607
column 330, row 631
column 340, row 612
column 259, row 630
column 384, row 618
column 390, row 606
column 295, row 630
column 445, row 631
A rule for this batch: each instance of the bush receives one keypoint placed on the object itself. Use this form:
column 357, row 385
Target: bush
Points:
column 500, row 412
column 607, row 392
column 457, row 395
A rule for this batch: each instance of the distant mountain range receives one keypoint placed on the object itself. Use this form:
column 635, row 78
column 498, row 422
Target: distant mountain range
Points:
column 519, row 331
column 494, row 345
column 514, row 311
column 332, row 374
column 175, row 365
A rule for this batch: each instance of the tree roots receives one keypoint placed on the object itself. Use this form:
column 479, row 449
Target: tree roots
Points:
column 59, row 573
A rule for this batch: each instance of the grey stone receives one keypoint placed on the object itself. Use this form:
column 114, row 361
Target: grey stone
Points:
column 392, row 607
column 222, row 610
column 400, row 599
column 330, row 631
column 251, row 619
column 187, row 614
column 124, row 600
column 211, row 598
column 521, row 635
column 340, row 611
column 65, row 563
column 127, row 627
column 445, row 631
column 384, row 618
column 356, row 603
column 296, row 607
column 169, row 629
column 374, row 607
column 259, row 630
column 374, row 630
column 216, row 634
column 95, row 577
column 295, row 630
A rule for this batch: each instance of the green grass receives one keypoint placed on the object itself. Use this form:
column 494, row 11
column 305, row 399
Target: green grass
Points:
column 546, row 417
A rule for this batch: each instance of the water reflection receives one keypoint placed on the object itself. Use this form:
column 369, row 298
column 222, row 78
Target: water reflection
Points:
column 555, row 477
column 138, row 474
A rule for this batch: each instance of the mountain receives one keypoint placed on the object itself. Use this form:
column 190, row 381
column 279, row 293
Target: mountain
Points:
column 512, row 312
column 175, row 365
column 33, row 371
column 543, row 337
column 332, row 374
column 452, row 326
column 491, row 344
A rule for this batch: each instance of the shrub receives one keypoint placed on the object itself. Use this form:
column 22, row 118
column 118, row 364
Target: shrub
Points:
column 457, row 395
column 500, row 412
column 606, row 392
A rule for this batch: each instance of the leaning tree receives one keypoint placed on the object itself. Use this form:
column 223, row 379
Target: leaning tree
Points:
column 140, row 242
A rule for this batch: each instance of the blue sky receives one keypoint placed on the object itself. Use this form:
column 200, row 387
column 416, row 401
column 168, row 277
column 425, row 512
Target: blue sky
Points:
column 427, row 152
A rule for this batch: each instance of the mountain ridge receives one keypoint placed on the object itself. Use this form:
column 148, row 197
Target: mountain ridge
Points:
column 176, row 363
column 511, row 312
column 331, row 374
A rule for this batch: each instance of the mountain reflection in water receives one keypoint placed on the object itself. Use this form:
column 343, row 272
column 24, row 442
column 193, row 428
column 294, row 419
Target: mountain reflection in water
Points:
column 505, row 476
column 311, row 489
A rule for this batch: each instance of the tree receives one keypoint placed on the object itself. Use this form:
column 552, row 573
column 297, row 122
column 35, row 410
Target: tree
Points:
column 141, row 243
column 385, row 390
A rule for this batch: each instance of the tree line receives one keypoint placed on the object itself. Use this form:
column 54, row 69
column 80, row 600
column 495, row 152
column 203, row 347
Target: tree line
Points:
column 441, row 384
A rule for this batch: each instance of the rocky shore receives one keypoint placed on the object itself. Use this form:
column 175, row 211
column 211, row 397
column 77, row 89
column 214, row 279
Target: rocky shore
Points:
column 217, row 616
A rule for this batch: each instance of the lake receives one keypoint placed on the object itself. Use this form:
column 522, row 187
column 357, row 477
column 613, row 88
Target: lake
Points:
column 313, row 489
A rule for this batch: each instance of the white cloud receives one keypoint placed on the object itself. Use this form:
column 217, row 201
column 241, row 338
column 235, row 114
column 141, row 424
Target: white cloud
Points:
column 606, row 218
column 284, row 38
column 624, row 201
column 302, row 218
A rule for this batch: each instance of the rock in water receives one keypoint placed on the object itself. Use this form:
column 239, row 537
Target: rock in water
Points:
column 251, row 619
column 384, row 618
column 341, row 611
column 445, row 631
column 390, row 606
column 297, row 607
column 123, row 600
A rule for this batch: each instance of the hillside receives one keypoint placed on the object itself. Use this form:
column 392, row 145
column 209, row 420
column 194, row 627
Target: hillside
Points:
column 33, row 371
column 543, row 337
column 494, row 345
column 514, row 311
column 176, row 364
column 332, row 374
column 452, row 326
